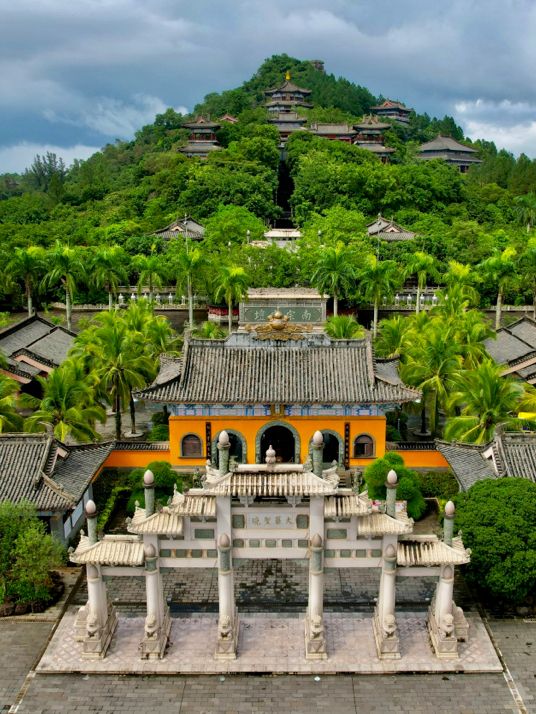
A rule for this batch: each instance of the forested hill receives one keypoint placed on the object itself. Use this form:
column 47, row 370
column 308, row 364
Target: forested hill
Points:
column 124, row 193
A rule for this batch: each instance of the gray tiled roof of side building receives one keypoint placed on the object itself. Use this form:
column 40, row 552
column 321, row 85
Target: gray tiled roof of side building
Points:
column 75, row 472
column 467, row 462
column 249, row 371
column 24, row 461
column 515, row 453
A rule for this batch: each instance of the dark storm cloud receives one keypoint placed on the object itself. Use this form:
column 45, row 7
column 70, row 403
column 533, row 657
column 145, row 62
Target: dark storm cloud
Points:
column 90, row 71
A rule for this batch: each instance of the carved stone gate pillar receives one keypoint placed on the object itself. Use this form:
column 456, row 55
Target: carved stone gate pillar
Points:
column 157, row 621
column 228, row 623
column 315, row 640
column 384, row 621
column 97, row 620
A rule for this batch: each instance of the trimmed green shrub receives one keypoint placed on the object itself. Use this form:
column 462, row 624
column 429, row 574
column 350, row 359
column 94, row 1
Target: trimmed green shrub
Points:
column 498, row 521
column 408, row 486
column 437, row 484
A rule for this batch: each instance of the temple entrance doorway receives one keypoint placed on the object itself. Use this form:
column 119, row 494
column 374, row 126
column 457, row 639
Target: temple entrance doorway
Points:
column 331, row 448
column 281, row 439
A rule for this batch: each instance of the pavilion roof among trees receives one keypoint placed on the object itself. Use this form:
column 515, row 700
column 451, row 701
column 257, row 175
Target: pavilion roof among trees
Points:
column 388, row 230
column 182, row 227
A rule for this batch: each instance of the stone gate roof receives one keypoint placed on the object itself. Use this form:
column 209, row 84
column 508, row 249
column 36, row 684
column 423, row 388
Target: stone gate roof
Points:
column 313, row 370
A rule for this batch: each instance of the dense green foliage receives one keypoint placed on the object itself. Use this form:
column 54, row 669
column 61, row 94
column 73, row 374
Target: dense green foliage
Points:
column 408, row 485
column 498, row 521
column 27, row 555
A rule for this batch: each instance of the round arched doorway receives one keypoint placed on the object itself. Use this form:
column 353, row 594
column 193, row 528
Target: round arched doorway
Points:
column 282, row 440
column 331, row 448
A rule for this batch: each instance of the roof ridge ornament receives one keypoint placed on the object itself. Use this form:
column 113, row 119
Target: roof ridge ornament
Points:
column 279, row 327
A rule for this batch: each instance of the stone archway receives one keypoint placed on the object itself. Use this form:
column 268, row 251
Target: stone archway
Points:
column 237, row 451
column 283, row 437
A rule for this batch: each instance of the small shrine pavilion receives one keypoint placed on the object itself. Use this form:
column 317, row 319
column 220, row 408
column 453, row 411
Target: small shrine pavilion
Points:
column 269, row 510
column 286, row 97
column 202, row 140
column 393, row 110
column 451, row 151
column 186, row 228
column 388, row 230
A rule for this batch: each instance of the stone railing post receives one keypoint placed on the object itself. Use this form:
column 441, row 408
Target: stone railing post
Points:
column 390, row 497
column 148, row 483
column 318, row 453
column 223, row 447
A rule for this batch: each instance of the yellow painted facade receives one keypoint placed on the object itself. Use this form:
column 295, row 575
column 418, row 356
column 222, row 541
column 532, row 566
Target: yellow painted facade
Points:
column 248, row 428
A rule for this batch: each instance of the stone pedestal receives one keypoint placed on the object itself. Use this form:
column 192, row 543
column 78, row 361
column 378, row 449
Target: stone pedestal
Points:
column 315, row 637
column 98, row 617
column 461, row 626
column 384, row 621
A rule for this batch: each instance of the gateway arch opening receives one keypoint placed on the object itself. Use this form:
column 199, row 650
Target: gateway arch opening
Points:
column 282, row 440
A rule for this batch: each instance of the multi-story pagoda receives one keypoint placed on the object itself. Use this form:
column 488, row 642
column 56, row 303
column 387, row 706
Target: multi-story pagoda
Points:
column 370, row 135
column 287, row 97
column 287, row 123
column 202, row 140
column 451, row 151
column 393, row 110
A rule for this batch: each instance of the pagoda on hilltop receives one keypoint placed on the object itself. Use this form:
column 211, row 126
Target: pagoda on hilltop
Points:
column 202, row 140
column 287, row 97
column 393, row 110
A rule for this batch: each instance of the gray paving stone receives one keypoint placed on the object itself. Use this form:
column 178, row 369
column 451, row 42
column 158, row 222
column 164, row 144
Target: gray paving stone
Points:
column 20, row 645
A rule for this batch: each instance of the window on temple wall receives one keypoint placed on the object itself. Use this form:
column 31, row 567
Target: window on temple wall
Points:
column 363, row 446
column 191, row 446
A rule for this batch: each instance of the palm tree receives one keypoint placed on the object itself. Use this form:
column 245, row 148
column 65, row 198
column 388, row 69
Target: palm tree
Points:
column 471, row 330
column 108, row 271
column 189, row 265
column 66, row 269
column 334, row 272
column 121, row 365
column 485, row 399
column 26, row 265
column 378, row 279
column 9, row 418
column 394, row 336
column 423, row 266
column 527, row 264
column 526, row 210
column 431, row 362
column 344, row 327
column 231, row 286
column 67, row 407
column 151, row 269
column 499, row 268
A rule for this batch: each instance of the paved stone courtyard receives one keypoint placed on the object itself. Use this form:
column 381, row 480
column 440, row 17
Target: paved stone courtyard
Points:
column 22, row 691
column 271, row 643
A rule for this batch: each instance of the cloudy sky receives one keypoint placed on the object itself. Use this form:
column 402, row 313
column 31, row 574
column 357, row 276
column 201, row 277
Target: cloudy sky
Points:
column 76, row 74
